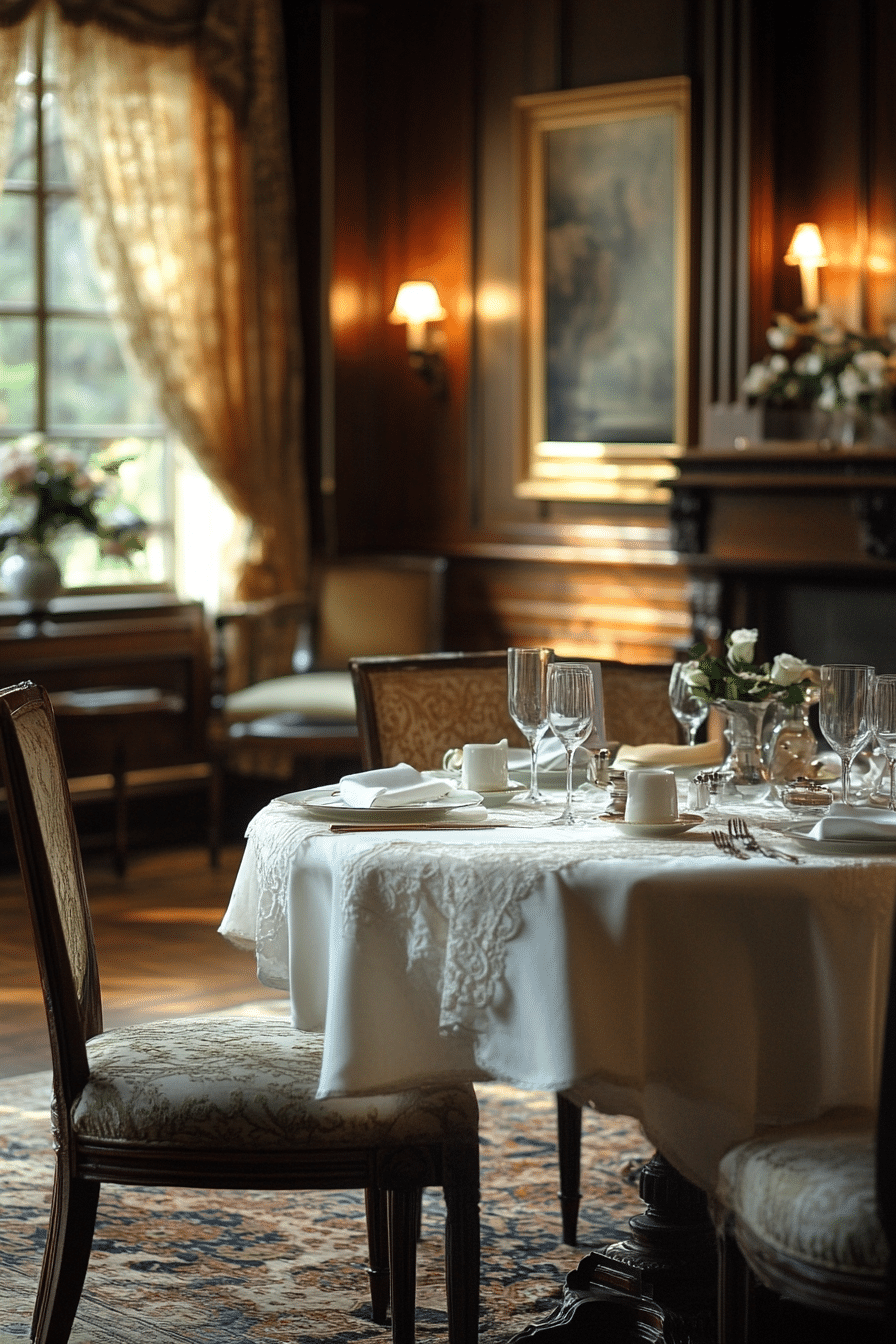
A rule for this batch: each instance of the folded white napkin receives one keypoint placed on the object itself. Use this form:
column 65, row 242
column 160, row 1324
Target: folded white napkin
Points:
column 552, row 754
column 394, row 786
column 667, row 753
column 844, row 822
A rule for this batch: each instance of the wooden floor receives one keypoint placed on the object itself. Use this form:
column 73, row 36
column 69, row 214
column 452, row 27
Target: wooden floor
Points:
column 159, row 951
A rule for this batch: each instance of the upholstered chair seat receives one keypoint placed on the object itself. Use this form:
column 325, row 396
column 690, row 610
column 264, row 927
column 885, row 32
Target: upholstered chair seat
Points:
column 326, row 696
column 246, row 1083
column 806, row 1205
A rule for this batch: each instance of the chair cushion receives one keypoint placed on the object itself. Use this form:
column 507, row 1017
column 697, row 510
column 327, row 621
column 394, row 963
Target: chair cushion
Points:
column 809, row 1196
column 244, row 1083
column 323, row 695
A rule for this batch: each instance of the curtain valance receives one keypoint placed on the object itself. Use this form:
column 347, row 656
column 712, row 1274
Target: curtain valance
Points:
column 220, row 31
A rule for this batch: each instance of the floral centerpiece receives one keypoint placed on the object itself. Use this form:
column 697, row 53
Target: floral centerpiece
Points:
column 735, row 676
column 49, row 490
column 821, row 364
column 744, row 691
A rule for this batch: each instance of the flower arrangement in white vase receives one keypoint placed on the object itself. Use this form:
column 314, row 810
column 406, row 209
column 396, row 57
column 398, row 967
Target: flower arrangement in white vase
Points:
column 49, row 490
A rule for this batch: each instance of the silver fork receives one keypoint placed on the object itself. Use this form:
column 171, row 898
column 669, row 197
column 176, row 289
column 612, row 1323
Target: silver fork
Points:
column 727, row 845
column 739, row 831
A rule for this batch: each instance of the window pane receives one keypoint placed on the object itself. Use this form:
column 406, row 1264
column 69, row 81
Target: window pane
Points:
column 55, row 167
column 90, row 384
column 18, row 371
column 73, row 283
column 23, row 151
column 17, row 275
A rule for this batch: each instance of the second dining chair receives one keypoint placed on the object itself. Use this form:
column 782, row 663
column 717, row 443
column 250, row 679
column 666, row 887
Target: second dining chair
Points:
column 412, row 709
column 211, row 1102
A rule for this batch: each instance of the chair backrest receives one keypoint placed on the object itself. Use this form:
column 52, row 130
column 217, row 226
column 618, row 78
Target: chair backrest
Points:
column 50, row 859
column 371, row 606
column 636, row 703
column 414, row 709
column 885, row 1165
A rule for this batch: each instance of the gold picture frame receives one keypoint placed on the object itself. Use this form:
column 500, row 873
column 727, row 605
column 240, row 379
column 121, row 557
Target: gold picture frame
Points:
column 604, row 177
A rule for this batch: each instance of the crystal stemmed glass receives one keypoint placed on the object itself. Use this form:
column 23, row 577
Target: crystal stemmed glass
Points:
column 883, row 719
column 527, row 700
column 571, row 715
column 844, row 712
column 688, row 710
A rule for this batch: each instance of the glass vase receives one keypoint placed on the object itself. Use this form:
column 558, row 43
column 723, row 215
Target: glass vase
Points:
column 746, row 766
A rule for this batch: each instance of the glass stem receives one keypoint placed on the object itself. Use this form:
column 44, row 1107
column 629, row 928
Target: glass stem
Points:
column 570, row 751
column 891, row 762
column 845, row 767
column 534, row 795
column 692, row 733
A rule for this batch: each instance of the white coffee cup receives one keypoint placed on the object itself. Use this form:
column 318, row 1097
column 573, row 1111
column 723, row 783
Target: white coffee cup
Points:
column 484, row 766
column 652, row 797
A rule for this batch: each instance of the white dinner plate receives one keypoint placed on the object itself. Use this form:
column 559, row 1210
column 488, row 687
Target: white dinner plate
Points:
column 855, row 849
column 654, row 830
column 326, row 805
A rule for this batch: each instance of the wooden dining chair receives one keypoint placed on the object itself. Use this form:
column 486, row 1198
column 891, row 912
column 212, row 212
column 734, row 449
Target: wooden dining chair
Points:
column 810, row 1213
column 283, row 703
column 211, row 1102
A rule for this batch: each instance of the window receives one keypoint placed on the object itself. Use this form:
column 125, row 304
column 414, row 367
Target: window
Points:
column 65, row 371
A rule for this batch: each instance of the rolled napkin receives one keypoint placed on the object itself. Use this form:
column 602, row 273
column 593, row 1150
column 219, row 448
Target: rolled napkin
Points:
column 552, row 754
column 667, row 753
column 395, row 786
column 844, row 822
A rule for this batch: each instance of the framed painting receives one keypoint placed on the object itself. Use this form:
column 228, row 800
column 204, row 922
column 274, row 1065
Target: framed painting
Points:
column 604, row 179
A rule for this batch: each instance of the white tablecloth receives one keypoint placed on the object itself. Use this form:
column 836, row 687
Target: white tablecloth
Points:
column 706, row 996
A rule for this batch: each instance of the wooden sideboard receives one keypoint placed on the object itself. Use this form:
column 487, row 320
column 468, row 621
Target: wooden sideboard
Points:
column 122, row 641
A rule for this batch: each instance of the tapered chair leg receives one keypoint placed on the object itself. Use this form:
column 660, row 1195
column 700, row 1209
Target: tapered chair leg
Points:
column 378, row 1252
column 69, row 1239
column 462, row 1248
column 569, row 1158
column 402, row 1207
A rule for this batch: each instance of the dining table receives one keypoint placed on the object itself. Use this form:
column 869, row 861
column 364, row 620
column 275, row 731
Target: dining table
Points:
column 710, row 996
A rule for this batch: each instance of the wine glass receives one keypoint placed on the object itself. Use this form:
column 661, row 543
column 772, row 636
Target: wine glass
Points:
column 688, row 710
column 883, row 719
column 844, row 712
column 527, row 700
column 571, row 715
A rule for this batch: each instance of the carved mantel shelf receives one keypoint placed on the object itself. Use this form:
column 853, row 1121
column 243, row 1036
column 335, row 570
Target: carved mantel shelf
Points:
column 785, row 502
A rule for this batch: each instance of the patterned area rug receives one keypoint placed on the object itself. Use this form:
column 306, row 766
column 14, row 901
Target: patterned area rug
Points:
column 176, row 1267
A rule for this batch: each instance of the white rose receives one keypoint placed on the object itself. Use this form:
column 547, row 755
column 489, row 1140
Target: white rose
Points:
column 850, row 383
column 741, row 644
column 779, row 363
column 759, row 378
column 694, row 677
column 786, row 669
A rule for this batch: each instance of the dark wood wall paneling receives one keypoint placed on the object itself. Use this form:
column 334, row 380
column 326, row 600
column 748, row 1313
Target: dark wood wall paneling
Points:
column 795, row 118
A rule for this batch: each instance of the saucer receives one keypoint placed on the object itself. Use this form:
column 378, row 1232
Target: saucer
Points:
column 500, row 797
column 654, row 830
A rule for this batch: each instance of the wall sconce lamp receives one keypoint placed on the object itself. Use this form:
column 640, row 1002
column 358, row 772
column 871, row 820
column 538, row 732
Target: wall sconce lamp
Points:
column 807, row 251
column 417, row 303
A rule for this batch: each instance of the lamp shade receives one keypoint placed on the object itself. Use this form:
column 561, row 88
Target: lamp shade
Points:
column 806, row 247
column 417, row 301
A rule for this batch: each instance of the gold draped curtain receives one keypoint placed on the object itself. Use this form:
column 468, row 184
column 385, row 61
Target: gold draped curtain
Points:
column 176, row 130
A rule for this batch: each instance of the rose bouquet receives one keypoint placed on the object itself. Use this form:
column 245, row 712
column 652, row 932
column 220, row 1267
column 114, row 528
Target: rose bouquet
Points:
column 734, row 675
column 50, row 489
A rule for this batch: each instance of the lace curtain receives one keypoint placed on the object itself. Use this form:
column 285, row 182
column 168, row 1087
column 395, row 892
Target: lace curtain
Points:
column 179, row 143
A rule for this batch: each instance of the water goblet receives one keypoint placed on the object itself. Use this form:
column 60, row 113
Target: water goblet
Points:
column 883, row 719
column 571, row 716
column 844, row 712
column 527, row 701
column 688, row 710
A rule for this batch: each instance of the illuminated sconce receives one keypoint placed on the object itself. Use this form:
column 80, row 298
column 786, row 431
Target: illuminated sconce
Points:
column 807, row 251
column 417, row 304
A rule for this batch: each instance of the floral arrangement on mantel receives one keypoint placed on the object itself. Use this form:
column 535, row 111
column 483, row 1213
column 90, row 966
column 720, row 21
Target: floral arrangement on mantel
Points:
column 820, row 364
column 735, row 676
column 49, row 490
